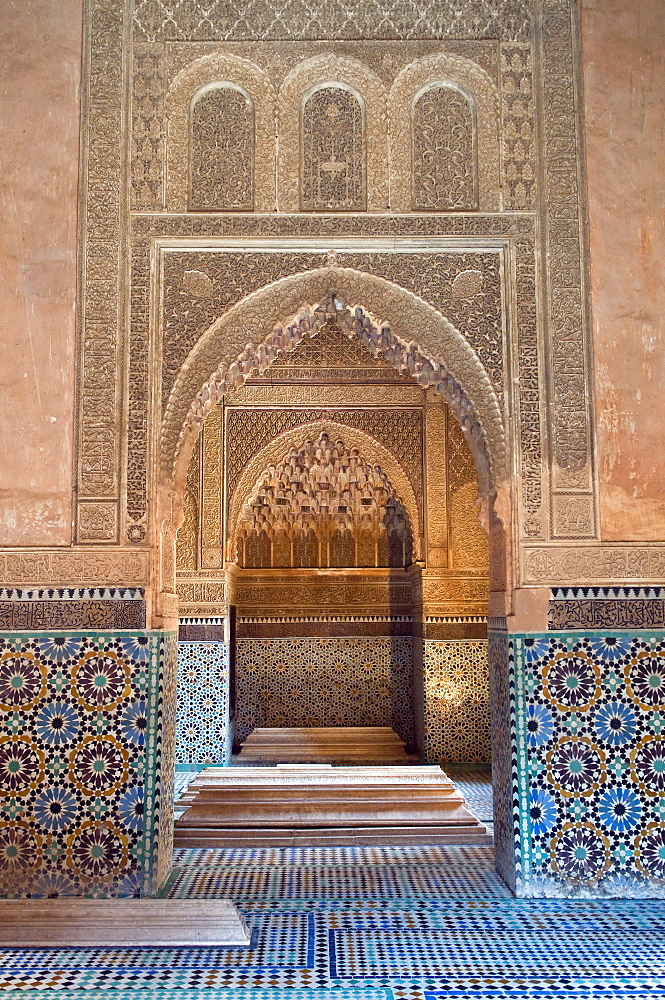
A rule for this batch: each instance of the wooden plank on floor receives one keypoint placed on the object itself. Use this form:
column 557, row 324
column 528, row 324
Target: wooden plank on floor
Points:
column 126, row 923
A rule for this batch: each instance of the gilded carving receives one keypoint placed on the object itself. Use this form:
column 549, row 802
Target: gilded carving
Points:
column 437, row 499
column 212, row 542
column 305, row 81
column 205, row 72
column 187, row 538
column 332, row 155
column 443, row 136
column 273, row 453
column 323, row 505
column 252, row 393
column 222, row 150
column 443, row 69
column 468, row 540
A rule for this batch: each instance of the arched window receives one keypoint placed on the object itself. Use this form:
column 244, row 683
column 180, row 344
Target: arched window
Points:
column 332, row 176
column 222, row 150
column 443, row 128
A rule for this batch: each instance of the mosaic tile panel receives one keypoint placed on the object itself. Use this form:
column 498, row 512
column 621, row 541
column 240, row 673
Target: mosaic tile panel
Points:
column 324, row 682
column 457, row 717
column 504, row 755
column 590, row 732
column 83, row 807
column 203, row 728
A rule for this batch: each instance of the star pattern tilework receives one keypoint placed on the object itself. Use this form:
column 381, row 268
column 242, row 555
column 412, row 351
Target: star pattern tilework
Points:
column 203, row 732
column 83, row 807
column 591, row 752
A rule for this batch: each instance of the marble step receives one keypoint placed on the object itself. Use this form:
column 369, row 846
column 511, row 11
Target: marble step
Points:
column 316, row 774
column 474, row 835
column 126, row 923
column 337, row 744
column 305, row 806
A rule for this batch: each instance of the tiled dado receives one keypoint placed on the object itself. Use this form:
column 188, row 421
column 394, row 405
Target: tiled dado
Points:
column 457, row 716
column 203, row 728
column 362, row 681
column 86, row 762
column 587, row 748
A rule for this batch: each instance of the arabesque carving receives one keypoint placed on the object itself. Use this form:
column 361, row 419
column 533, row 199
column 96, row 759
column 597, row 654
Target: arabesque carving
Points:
column 443, row 358
column 222, row 150
column 312, row 75
column 240, row 20
column 443, row 136
column 202, row 73
column 332, row 157
column 443, row 69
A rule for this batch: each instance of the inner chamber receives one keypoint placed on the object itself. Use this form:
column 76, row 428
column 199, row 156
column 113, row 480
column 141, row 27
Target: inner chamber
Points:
column 332, row 570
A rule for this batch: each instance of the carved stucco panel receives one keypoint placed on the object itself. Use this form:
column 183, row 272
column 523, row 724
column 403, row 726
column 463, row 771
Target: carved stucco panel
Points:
column 456, row 70
column 210, row 69
column 439, row 341
column 212, row 556
column 332, row 69
column 371, row 449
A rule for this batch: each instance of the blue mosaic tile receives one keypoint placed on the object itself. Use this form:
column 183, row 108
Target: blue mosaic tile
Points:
column 203, row 733
column 590, row 763
column 405, row 947
column 85, row 808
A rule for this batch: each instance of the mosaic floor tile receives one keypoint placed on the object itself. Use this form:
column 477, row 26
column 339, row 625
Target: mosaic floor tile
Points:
column 419, row 923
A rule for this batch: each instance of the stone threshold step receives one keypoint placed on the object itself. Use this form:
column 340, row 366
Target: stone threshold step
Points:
column 476, row 836
column 126, row 923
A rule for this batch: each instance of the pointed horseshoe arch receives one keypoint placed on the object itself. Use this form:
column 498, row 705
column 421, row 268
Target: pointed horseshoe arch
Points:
column 443, row 357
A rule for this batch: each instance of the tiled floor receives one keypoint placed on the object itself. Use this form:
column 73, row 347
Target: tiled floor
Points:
column 424, row 923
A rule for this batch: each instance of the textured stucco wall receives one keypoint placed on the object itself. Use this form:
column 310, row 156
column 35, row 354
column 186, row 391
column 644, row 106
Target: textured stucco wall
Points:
column 623, row 44
column 40, row 58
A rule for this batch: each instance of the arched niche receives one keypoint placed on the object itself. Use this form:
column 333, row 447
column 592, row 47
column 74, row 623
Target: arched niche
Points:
column 466, row 78
column 333, row 175
column 198, row 78
column 444, row 155
column 221, row 149
column 308, row 78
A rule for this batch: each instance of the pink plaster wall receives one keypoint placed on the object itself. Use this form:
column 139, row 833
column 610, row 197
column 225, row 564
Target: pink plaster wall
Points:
column 623, row 45
column 40, row 57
